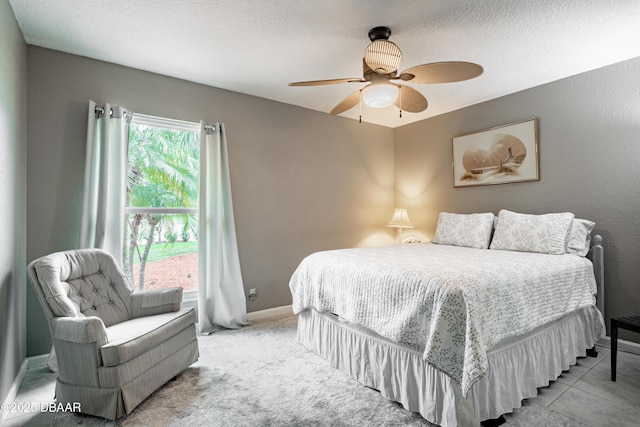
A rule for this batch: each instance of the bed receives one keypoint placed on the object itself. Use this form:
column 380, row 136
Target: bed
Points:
column 464, row 328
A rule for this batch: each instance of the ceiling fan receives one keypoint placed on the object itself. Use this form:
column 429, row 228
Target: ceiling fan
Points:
column 380, row 65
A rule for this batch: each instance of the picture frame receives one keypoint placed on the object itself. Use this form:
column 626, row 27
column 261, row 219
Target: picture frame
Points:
column 499, row 155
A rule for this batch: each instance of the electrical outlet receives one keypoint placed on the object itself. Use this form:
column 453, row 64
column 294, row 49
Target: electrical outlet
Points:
column 253, row 294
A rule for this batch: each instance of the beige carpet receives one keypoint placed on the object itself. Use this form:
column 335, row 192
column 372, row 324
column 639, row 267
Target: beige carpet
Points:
column 261, row 376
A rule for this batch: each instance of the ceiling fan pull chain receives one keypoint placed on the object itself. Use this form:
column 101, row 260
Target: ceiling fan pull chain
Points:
column 360, row 119
column 400, row 86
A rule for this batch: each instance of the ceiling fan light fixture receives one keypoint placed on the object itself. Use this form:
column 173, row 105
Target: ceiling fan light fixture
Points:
column 380, row 95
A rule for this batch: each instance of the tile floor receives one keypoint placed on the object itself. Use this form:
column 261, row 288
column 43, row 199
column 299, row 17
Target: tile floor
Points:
column 584, row 393
column 587, row 394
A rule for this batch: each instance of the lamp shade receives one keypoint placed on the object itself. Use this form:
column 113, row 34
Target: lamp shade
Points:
column 380, row 95
column 400, row 219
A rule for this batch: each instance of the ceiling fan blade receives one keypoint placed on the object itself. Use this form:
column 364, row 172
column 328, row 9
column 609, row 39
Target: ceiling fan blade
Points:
column 441, row 72
column 328, row 82
column 411, row 100
column 367, row 72
column 348, row 103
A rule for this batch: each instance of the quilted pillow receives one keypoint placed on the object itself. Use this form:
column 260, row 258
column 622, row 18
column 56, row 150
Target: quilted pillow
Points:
column 532, row 233
column 470, row 230
column 579, row 237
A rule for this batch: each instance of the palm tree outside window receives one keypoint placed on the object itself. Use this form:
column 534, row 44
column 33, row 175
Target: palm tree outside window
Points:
column 161, row 241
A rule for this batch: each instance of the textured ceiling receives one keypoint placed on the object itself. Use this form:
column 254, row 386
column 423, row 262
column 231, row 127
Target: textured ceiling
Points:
column 257, row 47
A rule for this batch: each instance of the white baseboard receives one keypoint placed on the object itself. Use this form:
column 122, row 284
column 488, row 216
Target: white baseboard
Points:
column 38, row 361
column 13, row 391
column 628, row 346
column 270, row 312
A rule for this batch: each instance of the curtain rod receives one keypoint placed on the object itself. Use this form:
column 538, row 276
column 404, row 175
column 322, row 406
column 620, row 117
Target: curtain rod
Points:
column 99, row 111
column 212, row 128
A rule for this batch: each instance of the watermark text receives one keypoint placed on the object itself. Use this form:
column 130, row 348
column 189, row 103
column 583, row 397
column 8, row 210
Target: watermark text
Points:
column 27, row 407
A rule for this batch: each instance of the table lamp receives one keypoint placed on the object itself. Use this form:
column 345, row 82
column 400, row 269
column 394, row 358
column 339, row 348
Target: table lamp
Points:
column 400, row 220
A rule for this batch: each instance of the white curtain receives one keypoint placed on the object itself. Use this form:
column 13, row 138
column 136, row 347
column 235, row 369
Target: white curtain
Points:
column 102, row 223
column 221, row 298
column 103, row 220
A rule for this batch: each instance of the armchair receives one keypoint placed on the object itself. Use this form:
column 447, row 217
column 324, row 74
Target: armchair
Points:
column 114, row 346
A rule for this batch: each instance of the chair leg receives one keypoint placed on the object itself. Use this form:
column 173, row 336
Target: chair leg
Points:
column 614, row 348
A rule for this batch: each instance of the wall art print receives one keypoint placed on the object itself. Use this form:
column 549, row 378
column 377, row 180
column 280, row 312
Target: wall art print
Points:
column 499, row 155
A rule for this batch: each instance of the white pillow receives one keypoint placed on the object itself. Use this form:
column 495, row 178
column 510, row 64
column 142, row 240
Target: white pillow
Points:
column 545, row 234
column 470, row 230
column 579, row 237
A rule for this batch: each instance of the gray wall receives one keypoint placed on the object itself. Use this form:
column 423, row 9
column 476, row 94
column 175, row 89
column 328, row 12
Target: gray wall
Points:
column 589, row 133
column 13, row 68
column 301, row 180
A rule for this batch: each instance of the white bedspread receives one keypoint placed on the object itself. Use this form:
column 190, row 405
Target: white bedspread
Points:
column 452, row 303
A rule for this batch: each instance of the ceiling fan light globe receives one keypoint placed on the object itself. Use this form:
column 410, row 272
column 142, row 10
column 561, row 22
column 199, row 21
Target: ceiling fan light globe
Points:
column 380, row 95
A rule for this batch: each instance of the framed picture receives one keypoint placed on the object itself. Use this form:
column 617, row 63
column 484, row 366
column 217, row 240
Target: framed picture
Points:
column 499, row 155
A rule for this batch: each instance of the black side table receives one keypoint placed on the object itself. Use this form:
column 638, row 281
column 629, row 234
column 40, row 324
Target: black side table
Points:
column 631, row 323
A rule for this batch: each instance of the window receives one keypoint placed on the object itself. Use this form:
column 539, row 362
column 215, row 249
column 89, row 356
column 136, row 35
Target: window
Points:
column 161, row 233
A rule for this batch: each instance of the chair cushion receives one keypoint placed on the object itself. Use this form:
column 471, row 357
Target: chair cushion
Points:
column 116, row 376
column 133, row 337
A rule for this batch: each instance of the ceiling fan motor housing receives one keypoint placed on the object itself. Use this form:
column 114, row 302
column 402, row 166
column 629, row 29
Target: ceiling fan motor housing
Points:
column 383, row 56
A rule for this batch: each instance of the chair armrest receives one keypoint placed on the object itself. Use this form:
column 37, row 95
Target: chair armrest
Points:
column 80, row 330
column 148, row 303
column 77, row 342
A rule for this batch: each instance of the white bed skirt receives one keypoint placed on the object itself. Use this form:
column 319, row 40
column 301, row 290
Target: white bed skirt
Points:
column 517, row 367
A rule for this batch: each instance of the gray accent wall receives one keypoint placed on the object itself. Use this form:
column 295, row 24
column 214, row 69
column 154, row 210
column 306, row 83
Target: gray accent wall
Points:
column 302, row 181
column 13, row 141
column 589, row 139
